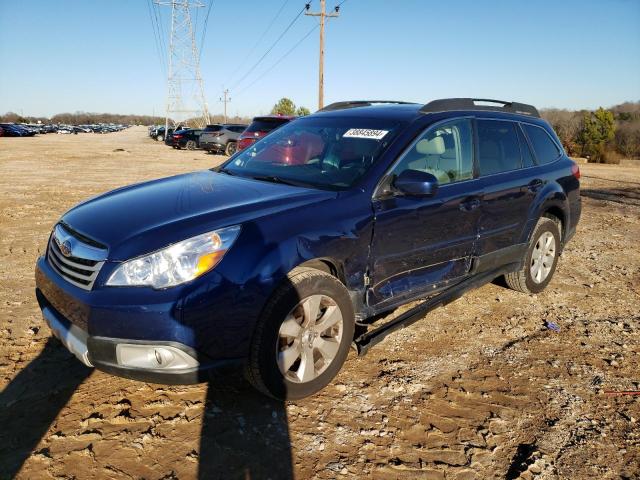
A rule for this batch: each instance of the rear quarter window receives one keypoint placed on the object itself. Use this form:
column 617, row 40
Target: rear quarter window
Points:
column 544, row 147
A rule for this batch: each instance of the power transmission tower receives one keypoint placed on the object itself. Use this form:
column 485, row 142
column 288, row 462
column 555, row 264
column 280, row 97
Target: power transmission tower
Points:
column 226, row 99
column 185, row 88
column 322, row 16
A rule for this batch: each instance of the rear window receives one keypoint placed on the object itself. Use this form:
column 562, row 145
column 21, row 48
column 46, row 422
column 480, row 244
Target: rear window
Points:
column 545, row 149
column 498, row 147
column 266, row 124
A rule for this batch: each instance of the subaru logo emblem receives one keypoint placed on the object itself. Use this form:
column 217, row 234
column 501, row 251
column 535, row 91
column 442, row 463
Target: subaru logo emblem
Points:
column 65, row 247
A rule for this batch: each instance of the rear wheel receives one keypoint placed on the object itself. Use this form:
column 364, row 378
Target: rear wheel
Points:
column 230, row 149
column 303, row 336
column 191, row 145
column 159, row 138
column 540, row 261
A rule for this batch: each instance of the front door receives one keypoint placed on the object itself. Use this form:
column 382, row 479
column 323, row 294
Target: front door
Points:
column 423, row 244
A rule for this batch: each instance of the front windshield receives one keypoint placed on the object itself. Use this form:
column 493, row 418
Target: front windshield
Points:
column 323, row 152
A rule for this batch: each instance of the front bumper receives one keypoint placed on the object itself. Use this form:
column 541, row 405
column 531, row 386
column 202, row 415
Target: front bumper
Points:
column 103, row 353
column 192, row 322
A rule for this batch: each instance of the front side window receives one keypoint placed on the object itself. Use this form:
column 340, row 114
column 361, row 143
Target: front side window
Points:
column 445, row 151
column 331, row 153
column 498, row 148
column 545, row 149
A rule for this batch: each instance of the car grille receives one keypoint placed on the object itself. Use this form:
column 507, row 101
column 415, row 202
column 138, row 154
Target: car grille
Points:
column 82, row 263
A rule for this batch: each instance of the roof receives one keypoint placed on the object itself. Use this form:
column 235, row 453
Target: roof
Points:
column 397, row 110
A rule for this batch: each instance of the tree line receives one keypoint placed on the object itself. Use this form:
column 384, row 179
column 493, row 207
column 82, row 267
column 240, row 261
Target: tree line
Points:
column 84, row 118
column 603, row 135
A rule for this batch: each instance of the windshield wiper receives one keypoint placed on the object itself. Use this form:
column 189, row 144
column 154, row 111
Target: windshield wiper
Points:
column 224, row 170
column 276, row 179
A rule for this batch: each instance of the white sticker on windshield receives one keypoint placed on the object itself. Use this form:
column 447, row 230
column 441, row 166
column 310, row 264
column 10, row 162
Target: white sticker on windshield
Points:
column 365, row 133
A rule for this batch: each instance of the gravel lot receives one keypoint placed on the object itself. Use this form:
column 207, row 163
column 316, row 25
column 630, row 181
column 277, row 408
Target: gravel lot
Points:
column 479, row 389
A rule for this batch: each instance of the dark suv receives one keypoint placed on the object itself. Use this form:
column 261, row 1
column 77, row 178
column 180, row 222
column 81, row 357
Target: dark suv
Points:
column 188, row 138
column 278, row 260
column 221, row 138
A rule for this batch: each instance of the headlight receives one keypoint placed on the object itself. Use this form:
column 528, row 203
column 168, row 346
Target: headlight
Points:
column 178, row 263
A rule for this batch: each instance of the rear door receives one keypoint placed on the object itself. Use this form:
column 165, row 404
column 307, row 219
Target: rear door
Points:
column 423, row 244
column 508, row 177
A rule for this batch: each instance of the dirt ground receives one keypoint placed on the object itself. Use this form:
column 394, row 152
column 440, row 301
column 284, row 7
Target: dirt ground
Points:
column 479, row 389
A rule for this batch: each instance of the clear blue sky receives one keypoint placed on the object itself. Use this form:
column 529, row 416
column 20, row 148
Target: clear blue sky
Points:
column 100, row 56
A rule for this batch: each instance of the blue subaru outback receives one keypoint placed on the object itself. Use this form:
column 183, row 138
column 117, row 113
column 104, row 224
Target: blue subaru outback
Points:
column 277, row 261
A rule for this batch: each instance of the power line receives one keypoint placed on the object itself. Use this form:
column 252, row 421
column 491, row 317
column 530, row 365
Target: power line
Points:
column 156, row 37
column 161, row 33
column 261, row 76
column 204, row 29
column 270, row 48
column 277, row 15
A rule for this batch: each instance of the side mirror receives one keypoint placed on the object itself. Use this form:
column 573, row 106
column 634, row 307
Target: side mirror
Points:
column 416, row 183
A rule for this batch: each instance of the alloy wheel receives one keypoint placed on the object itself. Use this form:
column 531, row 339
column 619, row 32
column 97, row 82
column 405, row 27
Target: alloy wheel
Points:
column 542, row 257
column 309, row 338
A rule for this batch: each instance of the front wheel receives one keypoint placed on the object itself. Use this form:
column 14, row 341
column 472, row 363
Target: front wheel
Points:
column 191, row 145
column 159, row 138
column 540, row 260
column 303, row 336
column 230, row 149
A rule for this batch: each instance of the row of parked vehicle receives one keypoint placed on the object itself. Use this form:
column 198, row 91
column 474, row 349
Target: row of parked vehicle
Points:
column 224, row 138
column 29, row 130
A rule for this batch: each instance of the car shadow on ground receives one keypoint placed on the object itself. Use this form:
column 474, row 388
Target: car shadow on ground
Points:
column 32, row 401
column 243, row 434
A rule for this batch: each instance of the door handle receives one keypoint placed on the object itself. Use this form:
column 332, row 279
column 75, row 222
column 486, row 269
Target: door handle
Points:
column 535, row 185
column 469, row 205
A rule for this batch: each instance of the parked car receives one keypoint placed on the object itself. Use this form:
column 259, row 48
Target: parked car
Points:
column 188, row 138
column 13, row 130
column 276, row 261
column 221, row 138
column 158, row 133
column 260, row 127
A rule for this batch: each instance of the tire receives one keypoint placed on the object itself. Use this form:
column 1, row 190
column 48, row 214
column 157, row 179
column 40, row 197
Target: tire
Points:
column 284, row 327
column 191, row 145
column 159, row 138
column 230, row 149
column 544, row 249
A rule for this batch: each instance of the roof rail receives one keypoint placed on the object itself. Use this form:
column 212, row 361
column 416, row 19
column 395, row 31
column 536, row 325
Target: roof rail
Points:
column 448, row 104
column 359, row 103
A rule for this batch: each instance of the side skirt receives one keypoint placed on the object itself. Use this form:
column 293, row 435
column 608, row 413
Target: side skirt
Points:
column 367, row 340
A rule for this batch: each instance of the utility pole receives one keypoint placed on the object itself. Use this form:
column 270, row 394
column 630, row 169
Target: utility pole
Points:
column 185, row 88
column 322, row 14
column 225, row 99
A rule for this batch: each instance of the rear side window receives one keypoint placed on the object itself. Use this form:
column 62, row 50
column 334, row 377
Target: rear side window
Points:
column 527, row 156
column 213, row 128
column 239, row 129
column 498, row 147
column 545, row 149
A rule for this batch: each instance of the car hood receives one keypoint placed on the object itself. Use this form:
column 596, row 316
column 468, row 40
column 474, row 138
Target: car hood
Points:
column 141, row 218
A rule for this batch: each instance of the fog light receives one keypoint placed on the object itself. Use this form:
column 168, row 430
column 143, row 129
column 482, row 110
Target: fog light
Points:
column 163, row 356
column 153, row 357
